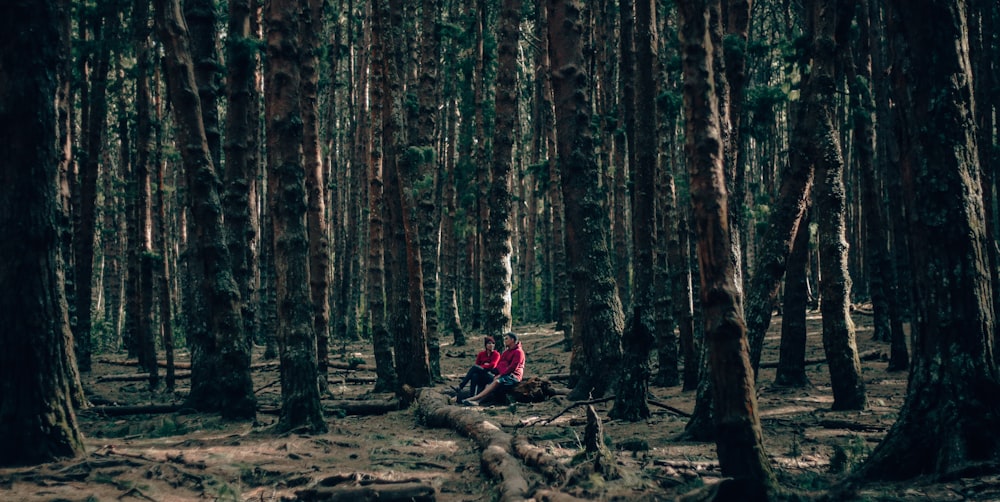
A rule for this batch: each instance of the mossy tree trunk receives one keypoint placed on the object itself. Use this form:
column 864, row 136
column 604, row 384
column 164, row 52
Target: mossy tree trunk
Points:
column 37, row 422
column 385, row 367
column 498, row 245
column 287, row 200
column 830, row 200
column 640, row 330
column 597, row 316
column 220, row 355
column 950, row 411
column 734, row 403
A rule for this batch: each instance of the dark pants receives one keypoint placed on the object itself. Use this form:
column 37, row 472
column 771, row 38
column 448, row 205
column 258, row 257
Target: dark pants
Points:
column 478, row 379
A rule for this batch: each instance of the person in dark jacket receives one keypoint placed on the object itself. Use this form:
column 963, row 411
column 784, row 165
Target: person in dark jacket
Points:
column 510, row 369
column 482, row 371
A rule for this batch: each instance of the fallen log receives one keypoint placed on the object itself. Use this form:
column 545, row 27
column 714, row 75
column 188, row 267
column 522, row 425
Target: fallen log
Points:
column 416, row 492
column 851, row 426
column 498, row 461
column 137, row 377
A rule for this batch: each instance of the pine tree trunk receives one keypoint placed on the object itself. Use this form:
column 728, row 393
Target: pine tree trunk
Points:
column 85, row 222
column 141, row 236
column 791, row 371
column 377, row 261
column 950, row 408
column 220, row 357
column 316, row 219
column 640, row 330
column 497, row 273
column 449, row 246
column 201, row 19
column 37, row 423
column 242, row 162
column 598, row 319
column 428, row 168
column 830, row 202
column 300, row 398
column 738, row 441
column 404, row 285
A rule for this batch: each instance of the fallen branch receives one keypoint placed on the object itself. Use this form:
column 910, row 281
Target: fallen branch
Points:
column 667, row 407
column 149, row 409
column 574, row 405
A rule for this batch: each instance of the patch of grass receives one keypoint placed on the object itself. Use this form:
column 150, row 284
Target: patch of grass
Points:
column 226, row 492
column 849, row 455
column 795, row 449
column 167, row 426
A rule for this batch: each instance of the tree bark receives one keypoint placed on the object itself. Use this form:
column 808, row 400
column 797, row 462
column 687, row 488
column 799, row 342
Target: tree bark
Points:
column 316, row 217
column 497, row 273
column 598, row 317
column 287, row 200
column 37, row 422
column 242, row 161
column 739, row 439
column 640, row 330
column 85, row 220
column 220, row 355
column 791, row 370
column 950, row 407
column 428, row 171
column 381, row 338
column 830, row 203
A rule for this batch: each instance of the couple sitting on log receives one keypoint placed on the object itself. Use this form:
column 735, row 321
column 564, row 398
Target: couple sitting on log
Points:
column 493, row 370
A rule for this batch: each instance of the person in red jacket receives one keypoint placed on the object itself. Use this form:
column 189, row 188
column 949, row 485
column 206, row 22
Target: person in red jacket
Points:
column 481, row 372
column 510, row 369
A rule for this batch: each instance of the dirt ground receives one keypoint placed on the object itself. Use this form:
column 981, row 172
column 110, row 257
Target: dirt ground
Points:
column 177, row 456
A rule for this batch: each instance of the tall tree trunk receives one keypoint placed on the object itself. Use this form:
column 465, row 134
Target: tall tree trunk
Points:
column 887, row 163
column 449, row 245
column 85, row 223
column 734, row 405
column 625, row 148
column 598, row 317
column 242, row 161
column 405, row 287
column 830, row 203
column 144, row 194
column 65, row 125
column 784, row 221
column 220, row 356
column 316, row 219
column 640, row 331
column 377, row 262
column 876, row 251
column 37, row 422
column 950, row 407
column 791, row 370
column 202, row 19
column 428, row 168
column 498, row 243
column 287, row 200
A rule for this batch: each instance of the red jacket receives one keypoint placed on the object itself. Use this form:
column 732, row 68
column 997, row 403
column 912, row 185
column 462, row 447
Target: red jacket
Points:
column 512, row 362
column 487, row 361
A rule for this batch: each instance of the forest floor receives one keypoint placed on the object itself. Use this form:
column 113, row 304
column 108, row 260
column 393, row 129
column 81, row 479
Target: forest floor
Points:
column 176, row 456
